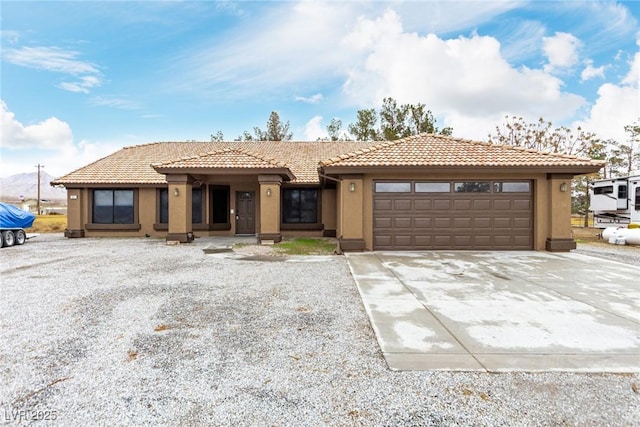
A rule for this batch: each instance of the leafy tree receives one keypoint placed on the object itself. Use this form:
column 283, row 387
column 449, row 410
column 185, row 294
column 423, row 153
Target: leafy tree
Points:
column 334, row 131
column 396, row 121
column 365, row 128
column 218, row 137
column 276, row 131
column 625, row 156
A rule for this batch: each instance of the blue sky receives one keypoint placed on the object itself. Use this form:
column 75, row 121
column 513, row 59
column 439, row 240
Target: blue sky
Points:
column 79, row 80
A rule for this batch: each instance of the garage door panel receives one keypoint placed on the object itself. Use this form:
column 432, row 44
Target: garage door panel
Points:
column 440, row 204
column 442, row 222
column 402, row 205
column 423, row 205
column 402, row 223
column 382, row 205
column 423, row 222
column 502, row 204
column 522, row 205
column 522, row 223
column 464, row 220
column 481, row 205
column 462, row 204
column 382, row 222
column 423, row 241
column 402, row 240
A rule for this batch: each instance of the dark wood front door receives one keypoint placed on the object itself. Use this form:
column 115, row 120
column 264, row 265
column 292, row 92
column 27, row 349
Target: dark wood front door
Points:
column 245, row 212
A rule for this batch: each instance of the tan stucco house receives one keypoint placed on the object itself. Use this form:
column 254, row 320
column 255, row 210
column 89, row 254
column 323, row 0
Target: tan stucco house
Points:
column 419, row 193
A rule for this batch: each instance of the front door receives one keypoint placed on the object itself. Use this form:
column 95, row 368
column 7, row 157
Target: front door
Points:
column 245, row 212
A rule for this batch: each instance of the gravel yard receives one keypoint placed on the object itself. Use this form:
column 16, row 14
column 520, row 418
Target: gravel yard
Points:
column 136, row 332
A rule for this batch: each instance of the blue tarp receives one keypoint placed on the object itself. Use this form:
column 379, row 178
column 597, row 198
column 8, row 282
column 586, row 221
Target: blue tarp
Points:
column 14, row 217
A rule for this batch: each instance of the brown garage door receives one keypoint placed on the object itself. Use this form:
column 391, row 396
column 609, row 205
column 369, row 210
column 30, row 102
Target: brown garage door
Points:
column 493, row 215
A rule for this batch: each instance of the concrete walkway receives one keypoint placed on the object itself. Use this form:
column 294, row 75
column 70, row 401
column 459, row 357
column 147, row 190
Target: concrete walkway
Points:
column 501, row 311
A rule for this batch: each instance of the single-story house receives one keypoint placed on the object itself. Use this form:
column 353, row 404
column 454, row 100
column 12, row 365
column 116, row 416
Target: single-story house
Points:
column 423, row 192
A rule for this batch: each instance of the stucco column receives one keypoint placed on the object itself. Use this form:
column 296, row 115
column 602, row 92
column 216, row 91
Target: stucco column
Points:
column 269, row 227
column 559, row 238
column 75, row 208
column 180, row 227
column 350, row 217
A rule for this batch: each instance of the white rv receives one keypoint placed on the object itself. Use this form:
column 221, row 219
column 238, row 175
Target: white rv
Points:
column 616, row 201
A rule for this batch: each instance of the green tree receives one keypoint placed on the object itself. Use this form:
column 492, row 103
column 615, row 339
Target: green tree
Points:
column 276, row 131
column 364, row 129
column 218, row 137
column 396, row 121
column 334, row 131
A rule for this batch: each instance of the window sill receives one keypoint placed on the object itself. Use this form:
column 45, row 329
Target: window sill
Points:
column 114, row 227
column 161, row 227
column 305, row 227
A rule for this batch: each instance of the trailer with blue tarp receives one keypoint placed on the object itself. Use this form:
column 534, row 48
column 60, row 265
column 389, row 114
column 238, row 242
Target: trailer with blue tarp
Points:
column 13, row 221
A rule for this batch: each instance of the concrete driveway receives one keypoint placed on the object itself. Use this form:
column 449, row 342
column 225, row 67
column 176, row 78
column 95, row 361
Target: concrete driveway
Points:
column 501, row 311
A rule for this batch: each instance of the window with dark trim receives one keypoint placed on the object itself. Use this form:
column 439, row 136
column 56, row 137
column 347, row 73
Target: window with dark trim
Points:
column 196, row 206
column 622, row 192
column 603, row 190
column 512, row 187
column 300, row 206
column 113, row 207
column 163, row 197
column 393, row 187
column 472, row 187
column 637, row 198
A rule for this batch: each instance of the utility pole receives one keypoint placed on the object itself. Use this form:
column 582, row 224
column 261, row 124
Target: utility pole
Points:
column 39, row 166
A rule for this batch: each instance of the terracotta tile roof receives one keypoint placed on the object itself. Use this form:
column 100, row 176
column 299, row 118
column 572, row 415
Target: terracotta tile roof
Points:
column 132, row 165
column 135, row 165
column 438, row 150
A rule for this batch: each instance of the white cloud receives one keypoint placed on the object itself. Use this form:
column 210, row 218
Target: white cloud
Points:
column 561, row 51
column 616, row 106
column 591, row 72
column 57, row 60
column 49, row 141
column 122, row 103
column 314, row 129
column 51, row 59
column 313, row 99
column 465, row 80
column 51, row 133
column 82, row 85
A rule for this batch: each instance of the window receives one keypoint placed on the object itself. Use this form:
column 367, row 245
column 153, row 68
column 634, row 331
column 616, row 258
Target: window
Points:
column 393, row 187
column 622, row 192
column 113, row 207
column 472, row 187
column 163, row 196
column 196, row 206
column 637, row 198
column 603, row 190
column 220, row 205
column 299, row 206
column 433, row 187
column 512, row 187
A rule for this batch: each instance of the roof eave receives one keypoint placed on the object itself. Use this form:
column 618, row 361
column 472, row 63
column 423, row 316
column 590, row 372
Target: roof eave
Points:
column 567, row 169
column 285, row 173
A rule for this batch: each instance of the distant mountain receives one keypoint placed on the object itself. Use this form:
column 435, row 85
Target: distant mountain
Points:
column 25, row 185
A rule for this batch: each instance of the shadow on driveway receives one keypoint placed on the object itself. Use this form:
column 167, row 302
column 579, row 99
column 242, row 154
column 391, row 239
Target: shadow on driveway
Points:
column 501, row 311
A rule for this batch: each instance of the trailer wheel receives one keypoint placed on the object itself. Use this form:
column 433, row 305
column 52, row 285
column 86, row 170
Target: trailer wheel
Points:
column 8, row 238
column 21, row 237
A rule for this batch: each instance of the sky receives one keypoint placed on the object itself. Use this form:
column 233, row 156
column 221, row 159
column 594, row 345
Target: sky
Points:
column 80, row 80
